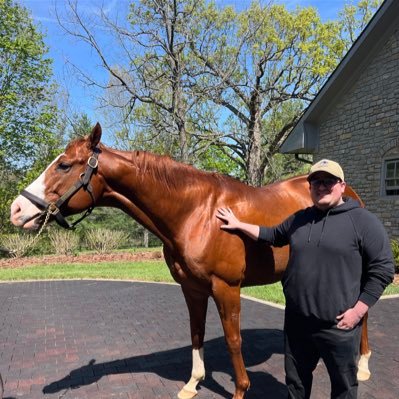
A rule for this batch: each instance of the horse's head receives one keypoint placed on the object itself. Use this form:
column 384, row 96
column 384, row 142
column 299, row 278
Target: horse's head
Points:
column 67, row 186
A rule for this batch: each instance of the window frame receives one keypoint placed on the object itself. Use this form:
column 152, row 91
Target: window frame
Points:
column 384, row 187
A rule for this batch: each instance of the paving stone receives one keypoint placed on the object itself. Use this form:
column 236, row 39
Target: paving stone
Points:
column 109, row 339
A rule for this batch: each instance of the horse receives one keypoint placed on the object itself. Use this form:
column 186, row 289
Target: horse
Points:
column 178, row 203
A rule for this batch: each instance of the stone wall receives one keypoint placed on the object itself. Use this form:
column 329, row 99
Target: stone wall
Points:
column 362, row 130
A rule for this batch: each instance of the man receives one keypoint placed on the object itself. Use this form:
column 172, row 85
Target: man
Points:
column 339, row 265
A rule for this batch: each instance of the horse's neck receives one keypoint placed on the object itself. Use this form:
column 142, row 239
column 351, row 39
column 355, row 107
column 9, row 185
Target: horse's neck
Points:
column 155, row 190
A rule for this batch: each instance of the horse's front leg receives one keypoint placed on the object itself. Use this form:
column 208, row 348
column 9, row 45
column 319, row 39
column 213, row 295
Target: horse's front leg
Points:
column 228, row 301
column 197, row 304
column 363, row 372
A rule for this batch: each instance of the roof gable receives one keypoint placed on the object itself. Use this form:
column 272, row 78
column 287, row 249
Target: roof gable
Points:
column 303, row 139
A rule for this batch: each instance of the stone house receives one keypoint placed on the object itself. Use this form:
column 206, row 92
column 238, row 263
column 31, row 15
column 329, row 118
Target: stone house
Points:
column 354, row 119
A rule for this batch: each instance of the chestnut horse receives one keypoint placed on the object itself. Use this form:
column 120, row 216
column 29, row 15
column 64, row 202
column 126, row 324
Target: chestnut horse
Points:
column 178, row 204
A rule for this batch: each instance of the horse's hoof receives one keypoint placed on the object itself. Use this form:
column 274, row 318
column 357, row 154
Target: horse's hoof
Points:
column 363, row 375
column 185, row 394
column 363, row 372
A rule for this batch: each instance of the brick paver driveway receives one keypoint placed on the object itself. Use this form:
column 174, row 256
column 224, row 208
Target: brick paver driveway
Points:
column 108, row 339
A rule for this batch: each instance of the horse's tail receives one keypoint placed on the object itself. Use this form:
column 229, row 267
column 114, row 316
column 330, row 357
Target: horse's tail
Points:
column 349, row 192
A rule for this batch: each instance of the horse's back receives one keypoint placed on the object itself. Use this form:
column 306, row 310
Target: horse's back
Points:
column 206, row 251
column 273, row 204
column 266, row 264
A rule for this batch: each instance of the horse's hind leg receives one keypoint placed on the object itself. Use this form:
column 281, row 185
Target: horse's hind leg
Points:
column 228, row 301
column 363, row 372
column 197, row 304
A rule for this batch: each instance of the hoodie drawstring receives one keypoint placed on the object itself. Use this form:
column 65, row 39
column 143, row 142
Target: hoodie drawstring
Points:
column 310, row 231
column 322, row 228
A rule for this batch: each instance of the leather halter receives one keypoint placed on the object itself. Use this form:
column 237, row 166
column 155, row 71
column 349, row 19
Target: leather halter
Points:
column 53, row 208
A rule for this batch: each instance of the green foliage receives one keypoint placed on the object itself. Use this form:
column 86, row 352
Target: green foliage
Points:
column 354, row 18
column 8, row 190
column 115, row 219
column 28, row 117
column 280, row 166
column 262, row 66
column 220, row 160
column 284, row 166
column 81, row 125
column 198, row 76
column 395, row 251
column 225, row 85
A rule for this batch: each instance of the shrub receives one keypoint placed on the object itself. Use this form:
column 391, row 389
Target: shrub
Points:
column 104, row 240
column 395, row 251
column 17, row 245
column 64, row 242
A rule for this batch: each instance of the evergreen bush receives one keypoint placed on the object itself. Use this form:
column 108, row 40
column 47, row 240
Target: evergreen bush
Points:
column 395, row 251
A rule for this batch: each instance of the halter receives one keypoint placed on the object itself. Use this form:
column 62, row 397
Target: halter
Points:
column 53, row 208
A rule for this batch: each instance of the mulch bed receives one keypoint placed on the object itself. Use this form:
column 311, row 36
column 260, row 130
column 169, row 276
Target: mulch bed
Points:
column 81, row 258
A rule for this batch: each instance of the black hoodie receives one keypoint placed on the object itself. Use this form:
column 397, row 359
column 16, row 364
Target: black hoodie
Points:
column 337, row 257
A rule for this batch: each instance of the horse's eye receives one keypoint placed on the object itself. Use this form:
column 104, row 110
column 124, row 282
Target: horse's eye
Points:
column 64, row 167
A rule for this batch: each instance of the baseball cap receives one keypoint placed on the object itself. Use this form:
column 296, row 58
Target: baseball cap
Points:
column 328, row 166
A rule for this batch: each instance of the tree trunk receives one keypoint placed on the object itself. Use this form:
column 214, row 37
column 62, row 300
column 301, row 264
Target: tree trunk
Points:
column 254, row 161
column 183, row 143
column 146, row 237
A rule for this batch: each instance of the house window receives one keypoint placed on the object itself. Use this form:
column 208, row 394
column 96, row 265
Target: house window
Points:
column 392, row 177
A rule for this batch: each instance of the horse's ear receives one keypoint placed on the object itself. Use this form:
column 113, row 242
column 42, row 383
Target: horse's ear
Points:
column 95, row 136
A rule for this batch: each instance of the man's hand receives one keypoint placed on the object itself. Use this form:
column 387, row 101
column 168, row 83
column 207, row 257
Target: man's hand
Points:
column 351, row 318
column 232, row 223
column 227, row 216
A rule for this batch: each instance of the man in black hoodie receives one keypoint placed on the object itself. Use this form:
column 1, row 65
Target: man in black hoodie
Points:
column 339, row 265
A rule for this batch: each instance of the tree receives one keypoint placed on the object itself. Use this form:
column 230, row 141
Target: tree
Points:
column 354, row 18
column 154, row 45
column 267, row 63
column 28, row 117
column 263, row 62
column 80, row 126
column 111, row 218
column 199, row 76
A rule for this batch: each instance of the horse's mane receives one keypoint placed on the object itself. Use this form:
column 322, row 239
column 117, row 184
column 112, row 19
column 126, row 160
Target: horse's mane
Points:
column 171, row 173
column 174, row 174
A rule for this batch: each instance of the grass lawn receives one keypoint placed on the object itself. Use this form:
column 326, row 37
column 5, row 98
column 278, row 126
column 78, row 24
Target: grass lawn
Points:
column 143, row 271
column 149, row 270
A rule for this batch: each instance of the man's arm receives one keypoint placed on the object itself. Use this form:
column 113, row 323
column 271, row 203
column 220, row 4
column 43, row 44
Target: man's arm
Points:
column 276, row 235
column 379, row 269
column 232, row 223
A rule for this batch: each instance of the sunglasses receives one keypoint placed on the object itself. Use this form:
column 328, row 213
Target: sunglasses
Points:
column 328, row 182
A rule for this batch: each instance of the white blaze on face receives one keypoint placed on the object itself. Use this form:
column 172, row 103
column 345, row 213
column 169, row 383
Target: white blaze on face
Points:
column 22, row 209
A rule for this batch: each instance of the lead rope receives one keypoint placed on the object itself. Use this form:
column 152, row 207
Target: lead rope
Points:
column 36, row 237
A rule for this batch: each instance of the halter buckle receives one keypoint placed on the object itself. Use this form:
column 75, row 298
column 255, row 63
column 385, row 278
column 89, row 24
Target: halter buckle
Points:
column 92, row 162
column 53, row 209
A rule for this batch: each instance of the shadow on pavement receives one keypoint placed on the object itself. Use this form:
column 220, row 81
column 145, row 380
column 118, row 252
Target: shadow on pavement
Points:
column 258, row 346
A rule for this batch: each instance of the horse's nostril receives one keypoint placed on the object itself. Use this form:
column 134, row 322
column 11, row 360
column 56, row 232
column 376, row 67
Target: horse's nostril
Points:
column 15, row 208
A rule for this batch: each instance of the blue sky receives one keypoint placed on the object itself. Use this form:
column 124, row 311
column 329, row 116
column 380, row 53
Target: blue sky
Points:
column 63, row 48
